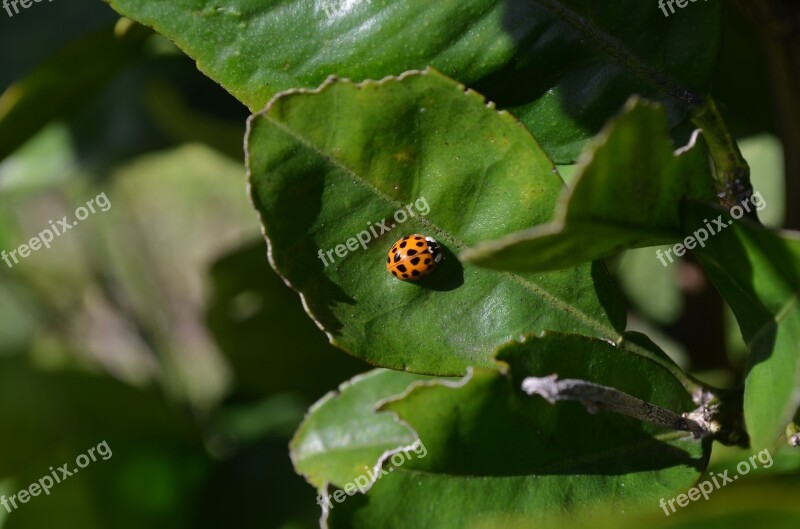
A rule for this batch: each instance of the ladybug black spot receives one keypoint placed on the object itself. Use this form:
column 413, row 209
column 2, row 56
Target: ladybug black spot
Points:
column 418, row 238
column 411, row 252
column 396, row 257
column 403, row 244
column 394, row 273
column 388, row 259
column 420, row 244
column 415, row 273
column 415, row 261
column 402, row 268
column 405, row 276
column 427, row 260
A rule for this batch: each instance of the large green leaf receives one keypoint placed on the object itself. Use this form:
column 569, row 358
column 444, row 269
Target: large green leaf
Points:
column 627, row 195
column 494, row 454
column 758, row 273
column 343, row 437
column 564, row 66
column 325, row 165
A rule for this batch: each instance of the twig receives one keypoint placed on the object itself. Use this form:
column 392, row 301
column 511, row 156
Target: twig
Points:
column 731, row 172
column 596, row 397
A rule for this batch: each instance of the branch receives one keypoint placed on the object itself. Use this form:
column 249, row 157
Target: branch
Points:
column 732, row 174
column 596, row 397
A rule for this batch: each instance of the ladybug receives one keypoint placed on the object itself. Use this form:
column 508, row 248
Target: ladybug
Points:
column 413, row 257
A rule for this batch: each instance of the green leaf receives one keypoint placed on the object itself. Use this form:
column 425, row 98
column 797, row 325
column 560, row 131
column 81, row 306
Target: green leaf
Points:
column 627, row 195
column 496, row 454
column 343, row 434
column 758, row 273
column 544, row 59
column 327, row 165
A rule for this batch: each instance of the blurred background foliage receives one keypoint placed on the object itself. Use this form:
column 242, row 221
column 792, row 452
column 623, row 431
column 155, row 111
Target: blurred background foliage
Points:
column 159, row 327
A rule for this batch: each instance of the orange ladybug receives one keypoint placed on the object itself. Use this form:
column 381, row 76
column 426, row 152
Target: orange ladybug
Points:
column 413, row 257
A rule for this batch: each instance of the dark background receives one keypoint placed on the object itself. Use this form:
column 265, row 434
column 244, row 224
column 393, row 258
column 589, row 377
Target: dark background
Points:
column 159, row 327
